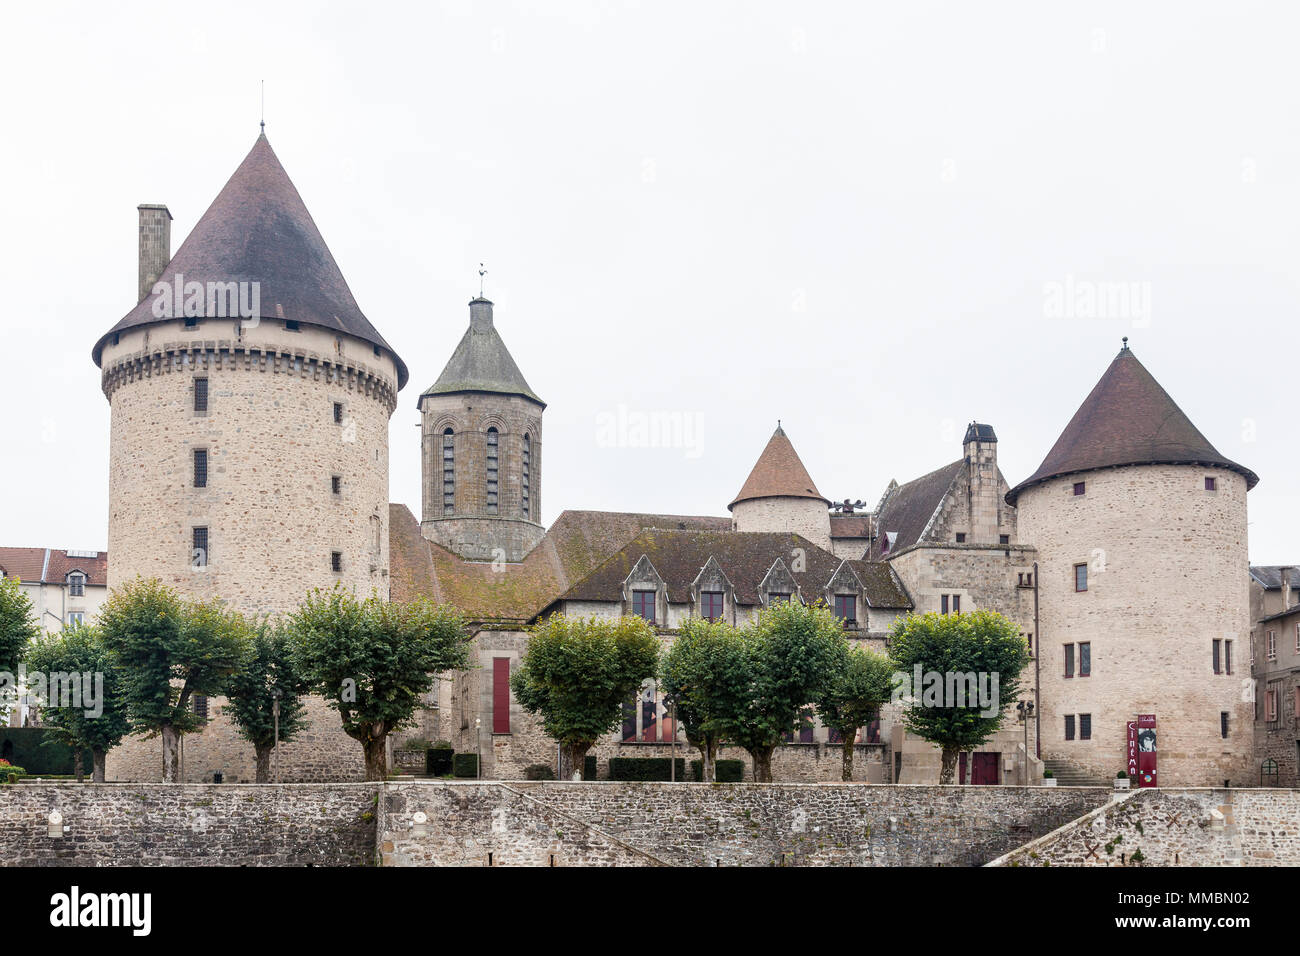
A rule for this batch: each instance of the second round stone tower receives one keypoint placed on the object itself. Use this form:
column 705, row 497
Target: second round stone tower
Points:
column 481, row 428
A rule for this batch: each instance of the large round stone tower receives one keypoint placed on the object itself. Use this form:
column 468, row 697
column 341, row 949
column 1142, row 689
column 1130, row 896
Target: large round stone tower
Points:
column 779, row 495
column 250, row 402
column 1140, row 526
column 481, row 427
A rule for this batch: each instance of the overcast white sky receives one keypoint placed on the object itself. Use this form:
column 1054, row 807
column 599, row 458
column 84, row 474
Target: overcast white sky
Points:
column 846, row 216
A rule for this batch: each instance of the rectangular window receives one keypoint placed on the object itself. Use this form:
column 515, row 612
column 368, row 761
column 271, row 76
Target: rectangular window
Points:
column 200, row 468
column 500, row 695
column 1227, row 657
column 629, row 721
column 1209, row 484
column 1085, row 659
column 1218, row 669
column 199, row 553
column 943, row 604
column 643, row 604
column 776, row 597
column 1085, row 726
column 1297, row 638
column 1223, row 724
column 76, row 585
column 961, row 537
column 846, row 608
column 336, row 561
column 1004, row 539
column 336, row 484
column 1069, row 660
column 956, row 604
column 338, row 413
column 76, row 617
column 1080, row 577
column 1079, row 487
column 200, row 704
column 1271, row 645
column 292, row 325
column 1069, row 726
column 711, row 605
column 1270, row 706
column 200, row 394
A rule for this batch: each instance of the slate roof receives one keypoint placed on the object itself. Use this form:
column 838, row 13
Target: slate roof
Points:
column 52, row 565
column 851, row 526
column 907, row 510
column 1270, row 575
column 481, row 361
column 1127, row 419
column 574, row 545
column 259, row 230
column 778, row 473
column 744, row 556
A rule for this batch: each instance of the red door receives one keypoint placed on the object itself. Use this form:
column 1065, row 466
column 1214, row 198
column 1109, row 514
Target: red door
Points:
column 985, row 769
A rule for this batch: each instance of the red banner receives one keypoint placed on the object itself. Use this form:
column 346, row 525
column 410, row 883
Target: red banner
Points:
column 1146, row 750
column 1131, row 763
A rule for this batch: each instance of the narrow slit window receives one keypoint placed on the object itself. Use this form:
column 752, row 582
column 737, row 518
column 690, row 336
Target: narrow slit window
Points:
column 336, row 561
column 448, row 472
column 493, row 470
column 200, row 468
column 200, row 554
column 1080, row 577
column 200, row 394
column 525, row 491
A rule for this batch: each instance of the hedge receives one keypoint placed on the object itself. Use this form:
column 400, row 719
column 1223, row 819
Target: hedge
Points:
column 589, row 767
column 725, row 771
column 40, row 750
column 437, row 761
column 464, row 765
column 645, row 768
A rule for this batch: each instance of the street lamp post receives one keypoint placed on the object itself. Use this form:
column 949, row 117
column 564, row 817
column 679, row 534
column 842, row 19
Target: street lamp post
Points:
column 478, row 738
column 1025, row 713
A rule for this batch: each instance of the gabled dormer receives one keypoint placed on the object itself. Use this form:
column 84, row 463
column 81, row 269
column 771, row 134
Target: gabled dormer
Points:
column 713, row 594
column 778, row 584
column 645, row 594
column 844, row 595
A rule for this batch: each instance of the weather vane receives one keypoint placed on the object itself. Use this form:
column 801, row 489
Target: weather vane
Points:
column 263, row 106
column 481, row 273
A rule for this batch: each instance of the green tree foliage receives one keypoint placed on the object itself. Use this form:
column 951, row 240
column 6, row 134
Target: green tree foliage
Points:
column 169, row 650
column 788, row 657
column 95, row 717
column 251, row 695
column 17, row 625
column 860, row 683
column 576, row 675
column 957, row 648
column 705, row 665
column 374, row 660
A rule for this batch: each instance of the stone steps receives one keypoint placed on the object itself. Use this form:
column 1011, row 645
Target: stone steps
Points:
column 1068, row 775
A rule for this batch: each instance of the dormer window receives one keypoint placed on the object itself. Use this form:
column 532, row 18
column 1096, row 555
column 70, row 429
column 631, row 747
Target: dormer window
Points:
column 846, row 609
column 777, row 597
column 76, row 584
column 643, row 605
column 711, row 605
column 292, row 325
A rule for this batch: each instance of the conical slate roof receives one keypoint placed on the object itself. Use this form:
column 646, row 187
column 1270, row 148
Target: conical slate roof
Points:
column 259, row 230
column 481, row 362
column 1128, row 419
column 778, row 473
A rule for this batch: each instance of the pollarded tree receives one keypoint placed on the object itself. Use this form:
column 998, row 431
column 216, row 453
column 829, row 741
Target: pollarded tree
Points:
column 373, row 661
column 963, row 671
column 251, row 694
column 82, row 701
column 788, row 657
column 705, row 664
column 860, row 684
column 169, row 651
column 577, row 673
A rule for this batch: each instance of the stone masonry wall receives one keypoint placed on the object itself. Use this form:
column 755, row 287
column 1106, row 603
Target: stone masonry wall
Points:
column 718, row 825
column 178, row 824
column 1257, row 827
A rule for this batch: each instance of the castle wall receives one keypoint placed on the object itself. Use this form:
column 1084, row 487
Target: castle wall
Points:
column 1166, row 576
column 806, row 516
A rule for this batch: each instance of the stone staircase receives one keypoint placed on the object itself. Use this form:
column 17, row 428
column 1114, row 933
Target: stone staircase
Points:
column 1068, row 775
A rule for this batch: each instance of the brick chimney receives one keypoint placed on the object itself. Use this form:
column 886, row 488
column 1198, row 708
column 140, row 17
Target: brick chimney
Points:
column 980, row 447
column 155, row 245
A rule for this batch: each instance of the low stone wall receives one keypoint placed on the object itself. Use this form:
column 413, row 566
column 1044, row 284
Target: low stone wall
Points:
column 1176, row 828
column 179, row 824
column 606, row 823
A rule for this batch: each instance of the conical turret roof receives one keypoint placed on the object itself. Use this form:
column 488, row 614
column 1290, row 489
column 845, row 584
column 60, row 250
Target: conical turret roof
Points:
column 1128, row 419
column 481, row 361
column 259, row 230
column 778, row 473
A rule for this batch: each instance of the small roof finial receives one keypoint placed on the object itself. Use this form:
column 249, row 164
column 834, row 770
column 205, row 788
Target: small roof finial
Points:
column 481, row 273
column 1125, row 348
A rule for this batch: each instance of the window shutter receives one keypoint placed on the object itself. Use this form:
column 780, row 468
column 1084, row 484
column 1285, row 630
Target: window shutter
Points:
column 500, row 695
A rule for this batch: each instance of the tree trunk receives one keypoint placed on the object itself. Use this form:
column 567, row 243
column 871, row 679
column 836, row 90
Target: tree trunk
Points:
column 847, row 745
column 949, row 764
column 99, row 758
column 572, row 756
column 709, row 760
column 376, row 751
column 171, row 744
column 77, row 767
column 263, row 754
column 762, row 764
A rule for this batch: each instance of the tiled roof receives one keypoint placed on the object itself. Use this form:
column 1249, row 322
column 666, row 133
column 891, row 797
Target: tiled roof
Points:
column 574, row 545
column 745, row 557
column 1127, row 419
column 53, row 565
column 778, row 473
column 1270, row 575
column 259, row 230
column 850, row 526
column 907, row 510
column 481, row 362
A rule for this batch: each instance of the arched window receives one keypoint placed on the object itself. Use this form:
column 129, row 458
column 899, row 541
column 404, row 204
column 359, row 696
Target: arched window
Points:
column 448, row 472
column 493, row 461
column 524, row 489
column 376, row 537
